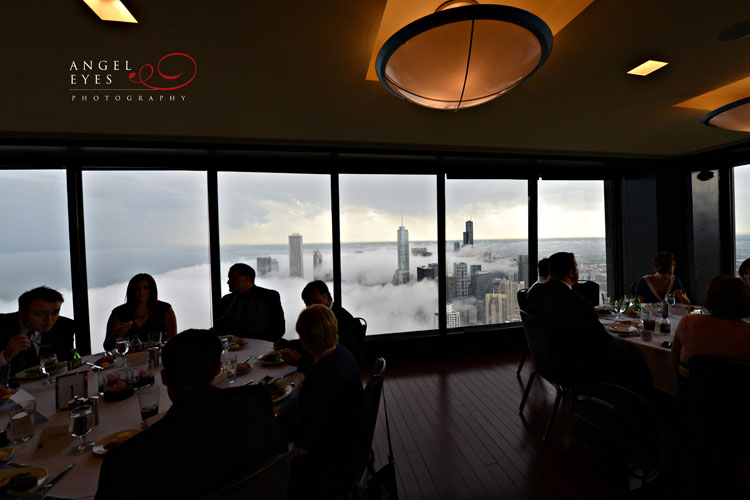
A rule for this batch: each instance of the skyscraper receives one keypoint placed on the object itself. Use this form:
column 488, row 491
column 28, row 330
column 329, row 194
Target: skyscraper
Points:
column 295, row 256
column 453, row 318
column 264, row 265
column 469, row 233
column 402, row 273
column 317, row 265
column 461, row 274
column 523, row 268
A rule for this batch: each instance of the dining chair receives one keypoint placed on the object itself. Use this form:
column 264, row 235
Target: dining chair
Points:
column 270, row 481
column 619, row 428
column 589, row 290
column 548, row 364
column 719, row 409
column 358, row 347
column 521, row 296
column 370, row 408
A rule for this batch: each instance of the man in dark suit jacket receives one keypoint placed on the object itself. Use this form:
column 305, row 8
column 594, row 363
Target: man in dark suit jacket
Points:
column 577, row 333
column 208, row 439
column 316, row 292
column 37, row 326
column 249, row 310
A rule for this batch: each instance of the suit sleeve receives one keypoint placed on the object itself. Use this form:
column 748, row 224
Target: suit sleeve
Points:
column 277, row 317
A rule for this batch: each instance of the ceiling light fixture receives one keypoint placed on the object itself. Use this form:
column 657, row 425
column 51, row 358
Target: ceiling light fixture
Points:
column 733, row 116
column 463, row 55
column 647, row 68
column 111, row 10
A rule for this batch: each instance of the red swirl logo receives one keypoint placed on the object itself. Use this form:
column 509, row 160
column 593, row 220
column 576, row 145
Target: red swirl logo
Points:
column 147, row 71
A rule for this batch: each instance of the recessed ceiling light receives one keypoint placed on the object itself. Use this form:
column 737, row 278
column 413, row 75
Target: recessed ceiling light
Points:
column 111, row 10
column 647, row 68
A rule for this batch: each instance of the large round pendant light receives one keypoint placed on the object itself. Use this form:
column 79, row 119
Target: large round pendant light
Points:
column 463, row 56
column 733, row 116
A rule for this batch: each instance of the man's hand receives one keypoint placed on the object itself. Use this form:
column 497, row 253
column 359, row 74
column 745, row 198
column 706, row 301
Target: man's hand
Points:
column 280, row 344
column 291, row 357
column 20, row 342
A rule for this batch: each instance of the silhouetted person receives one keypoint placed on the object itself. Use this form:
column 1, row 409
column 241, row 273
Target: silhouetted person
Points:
column 316, row 292
column 207, row 440
column 330, row 406
column 141, row 314
column 35, row 327
column 543, row 268
column 249, row 310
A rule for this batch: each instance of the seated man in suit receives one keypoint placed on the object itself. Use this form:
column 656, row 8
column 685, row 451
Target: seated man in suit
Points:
column 316, row 292
column 37, row 325
column 249, row 310
column 207, row 440
column 577, row 334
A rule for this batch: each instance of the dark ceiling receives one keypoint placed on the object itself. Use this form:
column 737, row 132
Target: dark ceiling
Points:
column 293, row 73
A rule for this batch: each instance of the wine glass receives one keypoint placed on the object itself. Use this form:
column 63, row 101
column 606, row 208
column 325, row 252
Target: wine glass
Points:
column 122, row 346
column 671, row 299
column 628, row 302
column 81, row 423
column 48, row 365
column 620, row 306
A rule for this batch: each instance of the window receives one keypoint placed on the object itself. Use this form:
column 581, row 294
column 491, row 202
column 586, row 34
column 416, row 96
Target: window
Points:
column 389, row 233
column 741, row 208
column 280, row 225
column 152, row 222
column 486, row 248
column 34, row 250
column 571, row 219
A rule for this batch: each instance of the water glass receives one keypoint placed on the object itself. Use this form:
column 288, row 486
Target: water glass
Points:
column 122, row 346
column 81, row 423
column 48, row 366
column 155, row 338
column 620, row 306
column 22, row 421
column 671, row 299
column 148, row 402
column 229, row 365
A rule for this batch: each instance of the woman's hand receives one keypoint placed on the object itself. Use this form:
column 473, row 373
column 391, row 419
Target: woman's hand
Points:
column 122, row 329
column 682, row 296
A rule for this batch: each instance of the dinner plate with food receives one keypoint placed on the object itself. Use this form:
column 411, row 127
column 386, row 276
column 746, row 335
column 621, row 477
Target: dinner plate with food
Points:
column 105, row 362
column 620, row 328
column 272, row 358
column 36, row 372
column 237, row 344
column 21, row 479
column 603, row 310
column 279, row 390
column 243, row 368
column 103, row 446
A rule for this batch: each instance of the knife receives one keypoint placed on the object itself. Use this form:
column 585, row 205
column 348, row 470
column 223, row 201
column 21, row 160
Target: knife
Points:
column 43, row 489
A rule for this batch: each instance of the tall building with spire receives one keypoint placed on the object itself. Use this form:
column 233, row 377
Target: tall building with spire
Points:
column 402, row 273
column 317, row 265
column 469, row 233
column 296, row 268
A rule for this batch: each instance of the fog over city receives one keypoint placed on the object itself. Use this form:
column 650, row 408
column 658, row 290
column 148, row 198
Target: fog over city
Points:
column 157, row 222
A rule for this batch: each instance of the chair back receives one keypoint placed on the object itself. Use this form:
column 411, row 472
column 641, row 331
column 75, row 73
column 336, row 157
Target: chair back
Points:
column 720, row 405
column 270, row 481
column 589, row 290
column 358, row 341
column 370, row 407
column 548, row 361
column 521, row 298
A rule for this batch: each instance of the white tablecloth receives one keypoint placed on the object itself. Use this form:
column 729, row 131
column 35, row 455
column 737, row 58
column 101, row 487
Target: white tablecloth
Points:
column 81, row 481
column 657, row 357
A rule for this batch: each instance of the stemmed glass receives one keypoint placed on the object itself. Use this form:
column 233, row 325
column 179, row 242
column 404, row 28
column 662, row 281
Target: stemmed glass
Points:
column 122, row 346
column 671, row 299
column 620, row 306
column 628, row 302
column 48, row 365
column 81, row 423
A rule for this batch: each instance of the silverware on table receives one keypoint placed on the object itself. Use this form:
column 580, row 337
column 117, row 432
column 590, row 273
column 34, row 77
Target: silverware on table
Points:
column 34, row 496
column 93, row 366
column 43, row 489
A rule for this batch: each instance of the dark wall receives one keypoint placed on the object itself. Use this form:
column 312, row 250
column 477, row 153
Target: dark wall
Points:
column 639, row 228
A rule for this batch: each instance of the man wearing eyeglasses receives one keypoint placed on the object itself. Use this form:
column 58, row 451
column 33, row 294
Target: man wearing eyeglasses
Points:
column 36, row 327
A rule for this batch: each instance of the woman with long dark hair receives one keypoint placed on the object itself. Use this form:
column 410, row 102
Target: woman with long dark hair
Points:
column 141, row 314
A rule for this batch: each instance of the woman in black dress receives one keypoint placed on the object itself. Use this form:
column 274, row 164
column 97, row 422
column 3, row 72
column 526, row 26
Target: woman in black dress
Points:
column 141, row 314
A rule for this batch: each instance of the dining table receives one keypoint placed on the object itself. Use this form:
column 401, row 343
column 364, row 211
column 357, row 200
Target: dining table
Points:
column 120, row 416
column 656, row 351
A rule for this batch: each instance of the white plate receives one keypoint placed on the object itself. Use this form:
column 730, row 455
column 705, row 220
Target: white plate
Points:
column 99, row 449
column 34, row 372
column 40, row 473
column 287, row 391
column 269, row 363
column 618, row 328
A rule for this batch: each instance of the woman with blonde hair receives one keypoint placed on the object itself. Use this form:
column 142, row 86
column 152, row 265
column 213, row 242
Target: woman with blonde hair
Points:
column 330, row 405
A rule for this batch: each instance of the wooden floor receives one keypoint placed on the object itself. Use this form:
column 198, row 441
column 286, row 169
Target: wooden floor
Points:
column 457, row 434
